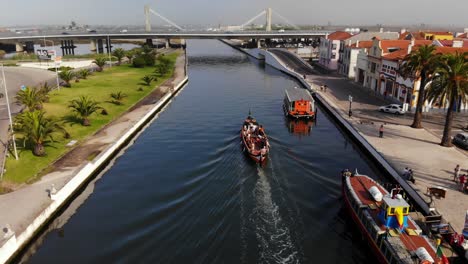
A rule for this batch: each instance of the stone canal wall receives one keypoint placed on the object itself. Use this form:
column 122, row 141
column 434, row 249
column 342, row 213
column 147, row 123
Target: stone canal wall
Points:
column 11, row 243
column 275, row 62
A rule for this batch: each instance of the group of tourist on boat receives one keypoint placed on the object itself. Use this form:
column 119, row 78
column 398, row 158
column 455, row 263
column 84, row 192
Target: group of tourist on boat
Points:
column 298, row 103
column 254, row 139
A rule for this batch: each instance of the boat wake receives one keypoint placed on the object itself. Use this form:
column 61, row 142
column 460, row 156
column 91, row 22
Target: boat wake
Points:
column 274, row 236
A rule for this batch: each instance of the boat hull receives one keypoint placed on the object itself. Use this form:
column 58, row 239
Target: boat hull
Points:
column 298, row 115
column 375, row 249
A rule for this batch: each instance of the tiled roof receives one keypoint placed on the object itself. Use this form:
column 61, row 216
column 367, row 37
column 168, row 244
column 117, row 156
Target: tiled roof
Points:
column 418, row 43
column 362, row 44
column 397, row 55
column 448, row 50
column 391, row 44
column 449, row 43
column 363, row 36
column 464, row 35
column 339, row 35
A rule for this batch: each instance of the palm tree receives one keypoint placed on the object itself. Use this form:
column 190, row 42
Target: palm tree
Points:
column 38, row 129
column 118, row 97
column 119, row 53
column 84, row 107
column 45, row 89
column 130, row 54
column 419, row 65
column 147, row 79
column 100, row 62
column 450, row 84
column 84, row 73
column 67, row 76
column 32, row 98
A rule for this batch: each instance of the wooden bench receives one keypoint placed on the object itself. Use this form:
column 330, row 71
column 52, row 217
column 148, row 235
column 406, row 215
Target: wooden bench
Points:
column 436, row 191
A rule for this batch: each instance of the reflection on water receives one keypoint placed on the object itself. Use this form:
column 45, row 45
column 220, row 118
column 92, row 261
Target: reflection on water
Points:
column 300, row 127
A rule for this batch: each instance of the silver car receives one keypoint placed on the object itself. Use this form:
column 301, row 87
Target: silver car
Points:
column 393, row 109
column 461, row 139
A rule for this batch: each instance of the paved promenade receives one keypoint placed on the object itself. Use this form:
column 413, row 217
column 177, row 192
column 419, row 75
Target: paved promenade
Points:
column 20, row 207
column 403, row 146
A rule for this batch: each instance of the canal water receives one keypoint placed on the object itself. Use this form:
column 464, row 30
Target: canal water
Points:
column 185, row 193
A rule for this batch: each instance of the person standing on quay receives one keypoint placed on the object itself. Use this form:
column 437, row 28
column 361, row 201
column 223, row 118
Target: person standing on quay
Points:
column 456, row 172
column 381, row 131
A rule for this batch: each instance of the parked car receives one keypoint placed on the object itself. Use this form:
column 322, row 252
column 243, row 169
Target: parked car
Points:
column 92, row 31
column 461, row 139
column 393, row 109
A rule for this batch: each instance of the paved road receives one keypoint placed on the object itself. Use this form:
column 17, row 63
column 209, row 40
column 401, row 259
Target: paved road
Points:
column 15, row 77
column 365, row 102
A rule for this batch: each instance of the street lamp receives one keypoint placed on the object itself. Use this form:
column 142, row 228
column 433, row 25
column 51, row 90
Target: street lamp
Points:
column 9, row 112
column 55, row 63
column 350, row 99
column 109, row 51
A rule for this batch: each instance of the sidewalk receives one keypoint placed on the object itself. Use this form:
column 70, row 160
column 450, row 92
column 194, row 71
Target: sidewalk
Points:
column 20, row 207
column 403, row 146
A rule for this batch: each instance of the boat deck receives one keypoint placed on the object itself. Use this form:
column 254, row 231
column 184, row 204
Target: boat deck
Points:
column 410, row 237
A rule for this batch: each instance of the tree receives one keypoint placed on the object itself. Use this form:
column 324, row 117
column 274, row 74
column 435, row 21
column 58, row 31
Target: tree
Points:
column 45, row 89
column 118, row 97
column 419, row 65
column 147, row 79
column 84, row 73
column 2, row 54
column 67, row 76
column 38, row 129
column 450, row 83
column 119, row 53
column 32, row 98
column 100, row 62
column 130, row 54
column 84, row 107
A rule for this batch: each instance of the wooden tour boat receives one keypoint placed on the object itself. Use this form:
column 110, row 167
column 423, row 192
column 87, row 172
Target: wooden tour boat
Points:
column 298, row 103
column 254, row 140
column 383, row 219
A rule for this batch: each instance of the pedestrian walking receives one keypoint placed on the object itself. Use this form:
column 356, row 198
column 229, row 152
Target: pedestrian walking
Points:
column 325, row 87
column 321, row 87
column 405, row 173
column 381, row 131
column 305, row 77
column 350, row 113
column 456, row 171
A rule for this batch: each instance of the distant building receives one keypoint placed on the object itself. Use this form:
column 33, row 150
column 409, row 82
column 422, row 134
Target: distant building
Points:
column 329, row 49
column 230, row 28
column 349, row 49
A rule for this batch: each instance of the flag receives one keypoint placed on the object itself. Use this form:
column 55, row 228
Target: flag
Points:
column 440, row 254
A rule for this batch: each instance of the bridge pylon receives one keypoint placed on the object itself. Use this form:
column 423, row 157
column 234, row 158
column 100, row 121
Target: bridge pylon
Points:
column 268, row 19
column 147, row 19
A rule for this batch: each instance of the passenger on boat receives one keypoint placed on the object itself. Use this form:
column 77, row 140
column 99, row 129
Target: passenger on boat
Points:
column 346, row 173
column 253, row 146
column 261, row 130
column 263, row 151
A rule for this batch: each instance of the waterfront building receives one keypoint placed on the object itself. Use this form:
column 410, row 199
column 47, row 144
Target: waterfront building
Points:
column 350, row 47
column 329, row 49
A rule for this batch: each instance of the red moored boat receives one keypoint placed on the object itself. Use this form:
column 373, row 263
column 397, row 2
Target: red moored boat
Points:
column 254, row 140
column 383, row 219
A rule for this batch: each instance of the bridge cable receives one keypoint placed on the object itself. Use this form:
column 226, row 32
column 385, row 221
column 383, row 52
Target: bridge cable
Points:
column 284, row 19
column 165, row 19
column 252, row 19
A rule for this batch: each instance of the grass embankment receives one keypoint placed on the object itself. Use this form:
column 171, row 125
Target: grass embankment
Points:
column 98, row 86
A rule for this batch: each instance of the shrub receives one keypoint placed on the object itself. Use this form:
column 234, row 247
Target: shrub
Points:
column 139, row 62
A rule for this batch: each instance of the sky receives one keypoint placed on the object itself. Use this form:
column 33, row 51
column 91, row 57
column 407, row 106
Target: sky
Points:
column 235, row 12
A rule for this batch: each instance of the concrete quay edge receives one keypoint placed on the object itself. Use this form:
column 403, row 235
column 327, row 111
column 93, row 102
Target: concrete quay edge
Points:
column 331, row 109
column 13, row 244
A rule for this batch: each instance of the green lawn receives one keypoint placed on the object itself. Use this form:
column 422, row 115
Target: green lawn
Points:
column 98, row 86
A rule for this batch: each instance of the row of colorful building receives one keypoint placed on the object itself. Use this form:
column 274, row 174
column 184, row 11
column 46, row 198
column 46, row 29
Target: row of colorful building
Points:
column 373, row 59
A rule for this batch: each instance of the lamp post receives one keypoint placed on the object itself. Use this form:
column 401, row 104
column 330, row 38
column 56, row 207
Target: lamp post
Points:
column 350, row 99
column 109, row 51
column 55, row 63
column 9, row 112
